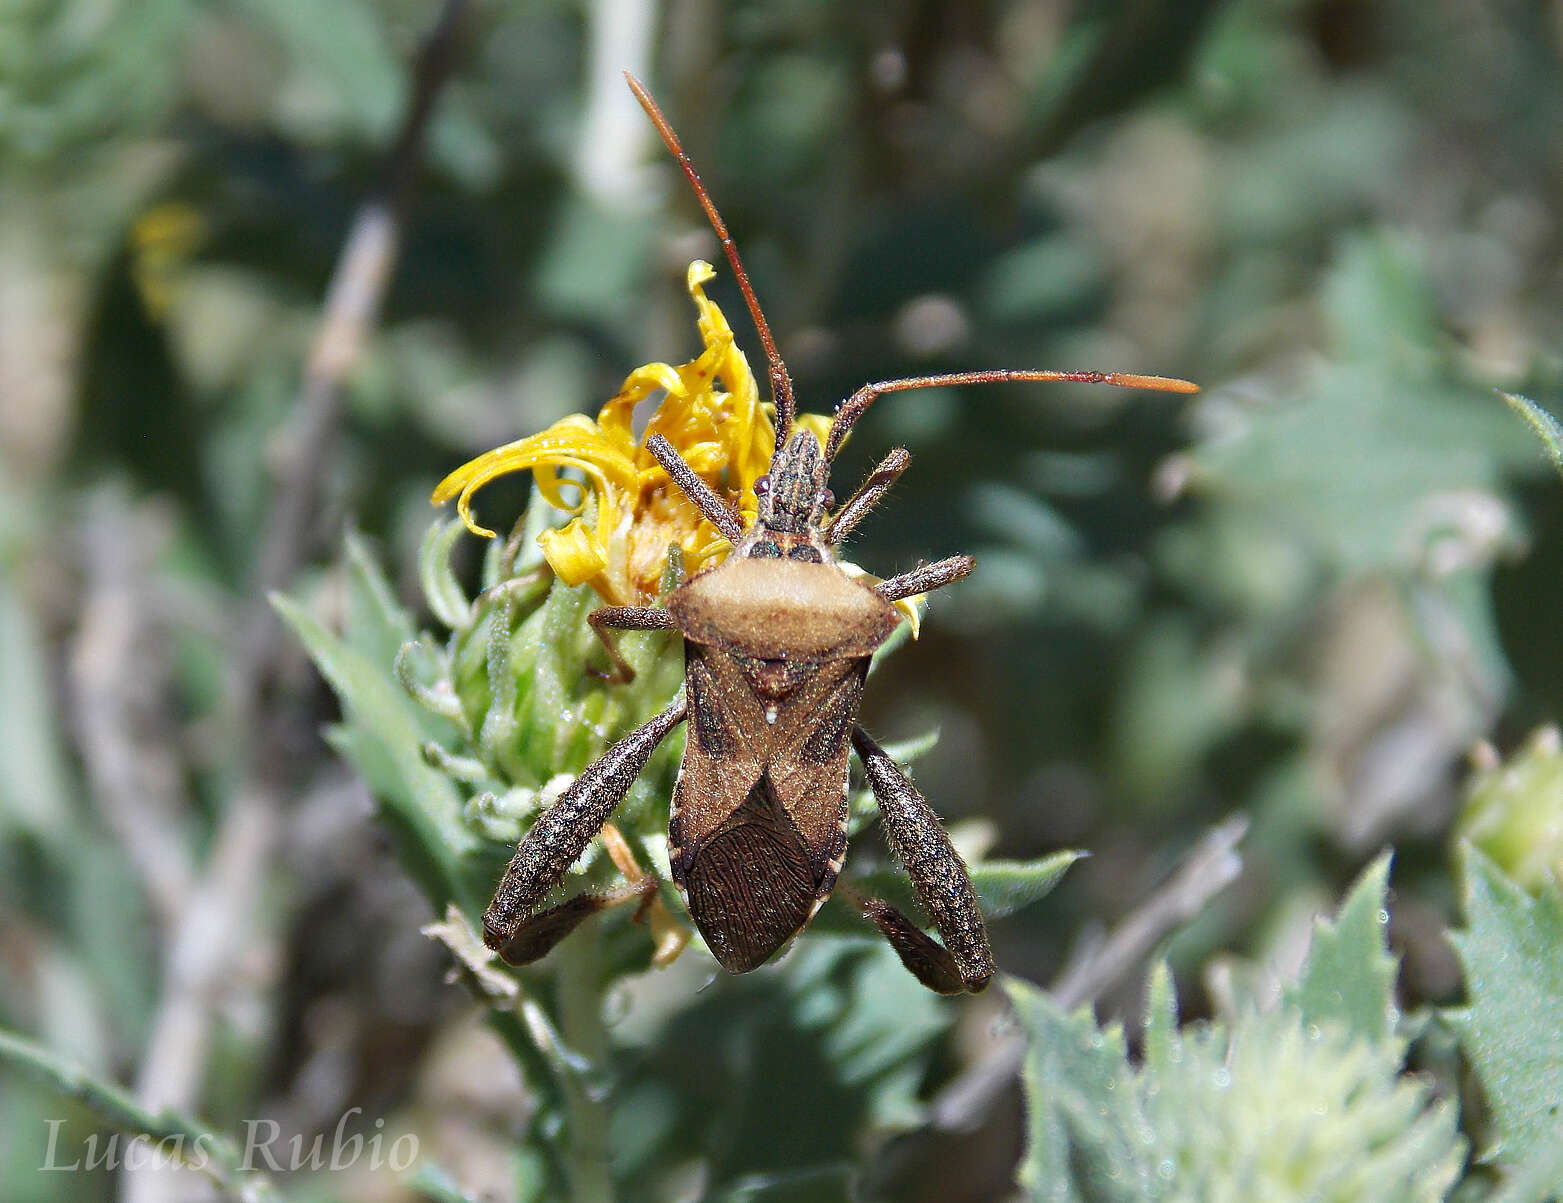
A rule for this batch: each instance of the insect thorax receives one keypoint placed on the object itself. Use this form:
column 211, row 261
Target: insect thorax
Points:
column 782, row 609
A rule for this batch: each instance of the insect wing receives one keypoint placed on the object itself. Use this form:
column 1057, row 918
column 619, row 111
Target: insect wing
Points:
column 758, row 827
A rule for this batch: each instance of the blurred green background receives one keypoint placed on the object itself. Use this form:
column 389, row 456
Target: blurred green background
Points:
column 1303, row 595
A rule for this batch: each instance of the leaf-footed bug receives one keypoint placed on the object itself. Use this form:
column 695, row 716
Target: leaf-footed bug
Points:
column 777, row 641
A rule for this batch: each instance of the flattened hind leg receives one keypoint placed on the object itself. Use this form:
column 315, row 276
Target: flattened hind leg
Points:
column 536, row 936
column 512, row 926
column 924, row 957
column 939, row 879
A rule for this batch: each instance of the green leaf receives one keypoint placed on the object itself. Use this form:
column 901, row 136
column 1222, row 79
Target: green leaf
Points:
column 1083, row 1121
column 1041, row 278
column 1162, row 1045
column 1547, row 428
column 1354, row 468
column 1378, row 299
column 1536, row 1179
column 441, row 590
column 1512, row 1030
column 1006, row 886
column 345, row 79
column 1003, row 887
column 1290, row 1103
column 1349, row 976
column 1513, row 810
column 384, row 738
column 376, row 624
column 791, row 1063
column 867, row 1020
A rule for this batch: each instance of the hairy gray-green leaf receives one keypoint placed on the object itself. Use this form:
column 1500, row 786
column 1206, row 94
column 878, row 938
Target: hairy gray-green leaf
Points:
column 1355, row 467
column 1306, row 1101
column 1511, row 952
column 440, row 587
column 383, row 736
column 1547, row 428
column 1086, row 1136
column 1003, row 887
column 1349, row 976
column 1006, row 886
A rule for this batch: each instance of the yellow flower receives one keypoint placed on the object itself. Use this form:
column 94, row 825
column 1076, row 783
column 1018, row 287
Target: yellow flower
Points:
column 162, row 242
column 628, row 511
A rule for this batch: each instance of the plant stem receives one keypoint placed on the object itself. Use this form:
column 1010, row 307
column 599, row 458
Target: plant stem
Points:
column 190, row 1142
column 579, row 969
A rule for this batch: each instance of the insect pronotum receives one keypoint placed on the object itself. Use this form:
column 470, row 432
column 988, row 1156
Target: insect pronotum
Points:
column 777, row 640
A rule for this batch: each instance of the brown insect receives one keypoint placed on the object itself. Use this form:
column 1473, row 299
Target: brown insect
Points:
column 777, row 642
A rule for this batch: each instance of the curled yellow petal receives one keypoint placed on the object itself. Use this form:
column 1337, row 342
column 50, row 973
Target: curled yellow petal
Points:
column 573, row 552
column 628, row 512
column 573, row 442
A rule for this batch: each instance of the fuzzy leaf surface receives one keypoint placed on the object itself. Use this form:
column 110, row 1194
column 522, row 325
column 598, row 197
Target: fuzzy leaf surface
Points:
column 1308, row 1100
column 1511, row 952
column 1349, row 976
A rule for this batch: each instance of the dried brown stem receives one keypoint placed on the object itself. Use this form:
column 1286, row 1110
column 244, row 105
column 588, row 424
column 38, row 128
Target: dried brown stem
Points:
column 211, row 934
column 122, row 727
column 1206, row 869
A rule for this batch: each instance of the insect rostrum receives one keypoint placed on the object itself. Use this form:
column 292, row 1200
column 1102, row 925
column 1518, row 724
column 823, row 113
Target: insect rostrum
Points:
column 777, row 641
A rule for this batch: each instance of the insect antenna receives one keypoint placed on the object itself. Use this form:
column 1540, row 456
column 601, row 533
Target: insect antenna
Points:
column 781, row 382
column 850, row 410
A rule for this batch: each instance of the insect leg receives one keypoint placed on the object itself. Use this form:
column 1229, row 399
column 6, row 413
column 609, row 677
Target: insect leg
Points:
column 924, row 957
column 925, row 578
column 510, row 926
column 868, row 494
column 625, row 618
column 939, row 879
column 536, row 937
column 717, row 512
column 668, row 934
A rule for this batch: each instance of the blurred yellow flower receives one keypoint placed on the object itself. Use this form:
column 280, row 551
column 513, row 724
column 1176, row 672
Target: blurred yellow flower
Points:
column 628, row 511
column 162, row 242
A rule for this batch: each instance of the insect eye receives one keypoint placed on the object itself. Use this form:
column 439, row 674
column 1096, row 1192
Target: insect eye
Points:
column 828, row 500
column 762, row 485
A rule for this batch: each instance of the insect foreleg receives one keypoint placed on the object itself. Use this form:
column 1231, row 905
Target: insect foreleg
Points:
column 625, row 618
column 868, row 495
column 717, row 512
column 925, row 578
column 559, row 837
column 939, row 879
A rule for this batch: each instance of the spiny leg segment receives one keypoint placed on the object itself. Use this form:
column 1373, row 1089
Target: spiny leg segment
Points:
column 605, row 619
column 964, row 962
column 511, row 925
column 868, row 495
column 925, row 578
column 716, row 511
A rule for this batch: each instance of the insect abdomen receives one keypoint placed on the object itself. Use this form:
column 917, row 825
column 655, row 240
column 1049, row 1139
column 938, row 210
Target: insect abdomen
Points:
column 750, row 884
